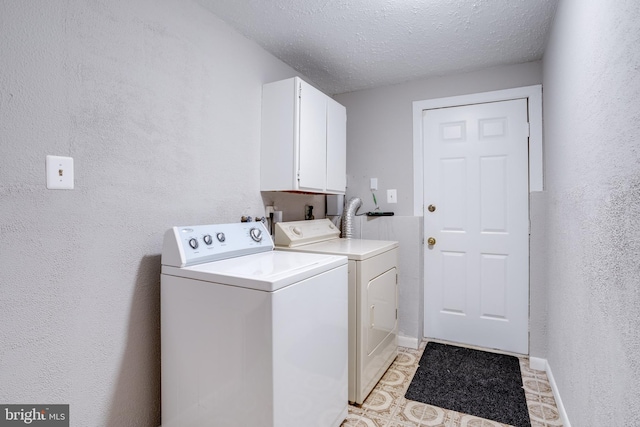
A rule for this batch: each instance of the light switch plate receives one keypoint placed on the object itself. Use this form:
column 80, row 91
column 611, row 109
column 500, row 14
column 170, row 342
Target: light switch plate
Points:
column 392, row 196
column 374, row 183
column 59, row 173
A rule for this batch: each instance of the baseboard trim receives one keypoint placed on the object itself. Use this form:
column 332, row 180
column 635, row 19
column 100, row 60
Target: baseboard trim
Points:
column 543, row 365
column 409, row 342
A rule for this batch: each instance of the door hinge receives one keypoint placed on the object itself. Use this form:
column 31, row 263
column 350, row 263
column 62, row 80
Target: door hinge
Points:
column 527, row 130
column 396, row 314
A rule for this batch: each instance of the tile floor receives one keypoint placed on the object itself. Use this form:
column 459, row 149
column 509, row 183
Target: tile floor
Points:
column 387, row 407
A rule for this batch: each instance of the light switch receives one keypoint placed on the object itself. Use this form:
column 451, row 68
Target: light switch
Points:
column 392, row 196
column 59, row 173
column 374, row 183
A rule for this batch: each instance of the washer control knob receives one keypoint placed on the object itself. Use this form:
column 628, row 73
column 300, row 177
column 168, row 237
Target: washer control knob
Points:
column 256, row 234
column 193, row 243
column 297, row 231
column 207, row 239
column 220, row 236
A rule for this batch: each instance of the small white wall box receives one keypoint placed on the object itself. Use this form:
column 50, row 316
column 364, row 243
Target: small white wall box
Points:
column 392, row 196
column 374, row 183
column 59, row 173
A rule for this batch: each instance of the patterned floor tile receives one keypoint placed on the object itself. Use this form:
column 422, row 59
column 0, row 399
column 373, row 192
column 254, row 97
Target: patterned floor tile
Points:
column 386, row 406
column 354, row 420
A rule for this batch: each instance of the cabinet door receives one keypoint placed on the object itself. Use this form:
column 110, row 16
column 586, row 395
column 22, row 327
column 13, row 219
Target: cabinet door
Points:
column 312, row 151
column 279, row 138
column 336, row 147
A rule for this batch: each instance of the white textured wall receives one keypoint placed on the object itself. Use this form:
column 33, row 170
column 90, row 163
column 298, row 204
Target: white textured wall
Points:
column 592, row 137
column 380, row 145
column 158, row 102
column 538, row 294
column 380, row 128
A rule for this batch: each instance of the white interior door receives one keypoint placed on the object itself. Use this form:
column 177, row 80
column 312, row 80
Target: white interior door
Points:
column 476, row 181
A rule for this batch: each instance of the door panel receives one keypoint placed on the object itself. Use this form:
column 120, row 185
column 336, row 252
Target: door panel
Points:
column 377, row 322
column 381, row 301
column 493, row 286
column 336, row 146
column 477, row 272
column 313, row 138
column 454, row 272
column 493, row 194
column 454, row 195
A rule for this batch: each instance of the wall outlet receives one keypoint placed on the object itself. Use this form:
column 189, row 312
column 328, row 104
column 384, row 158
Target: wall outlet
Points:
column 59, row 173
column 392, row 196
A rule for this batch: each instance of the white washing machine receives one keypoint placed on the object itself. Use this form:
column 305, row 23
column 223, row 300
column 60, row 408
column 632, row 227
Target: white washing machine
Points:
column 373, row 296
column 251, row 336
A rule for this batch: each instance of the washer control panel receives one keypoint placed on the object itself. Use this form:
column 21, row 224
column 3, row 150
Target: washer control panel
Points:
column 198, row 244
column 296, row 233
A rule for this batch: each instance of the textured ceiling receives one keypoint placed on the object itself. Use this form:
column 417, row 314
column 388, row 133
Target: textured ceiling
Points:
column 347, row 45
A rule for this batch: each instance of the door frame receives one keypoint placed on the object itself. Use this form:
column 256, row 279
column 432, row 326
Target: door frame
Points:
column 533, row 94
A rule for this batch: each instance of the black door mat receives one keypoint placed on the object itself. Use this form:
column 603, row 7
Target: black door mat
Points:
column 473, row 382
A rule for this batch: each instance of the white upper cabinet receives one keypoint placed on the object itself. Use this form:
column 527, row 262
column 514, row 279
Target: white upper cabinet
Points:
column 336, row 147
column 303, row 145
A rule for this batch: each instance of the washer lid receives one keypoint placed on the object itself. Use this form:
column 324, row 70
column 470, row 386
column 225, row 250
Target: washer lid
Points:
column 266, row 271
column 355, row 249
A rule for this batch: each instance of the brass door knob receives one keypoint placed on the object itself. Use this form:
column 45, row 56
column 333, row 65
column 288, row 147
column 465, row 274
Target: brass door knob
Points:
column 431, row 241
column 431, row 208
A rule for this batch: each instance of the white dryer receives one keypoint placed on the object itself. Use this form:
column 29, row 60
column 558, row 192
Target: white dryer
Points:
column 373, row 296
column 251, row 336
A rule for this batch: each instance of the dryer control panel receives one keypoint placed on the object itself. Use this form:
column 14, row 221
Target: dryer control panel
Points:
column 198, row 244
column 295, row 233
